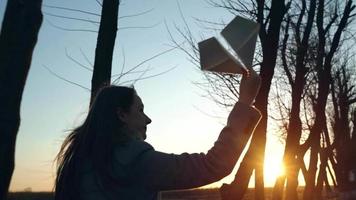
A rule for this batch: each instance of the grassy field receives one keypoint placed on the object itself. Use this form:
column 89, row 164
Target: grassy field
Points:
column 197, row 194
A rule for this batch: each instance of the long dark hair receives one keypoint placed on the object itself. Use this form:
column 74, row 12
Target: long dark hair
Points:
column 93, row 140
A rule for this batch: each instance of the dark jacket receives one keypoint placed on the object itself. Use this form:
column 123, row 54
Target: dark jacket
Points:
column 142, row 172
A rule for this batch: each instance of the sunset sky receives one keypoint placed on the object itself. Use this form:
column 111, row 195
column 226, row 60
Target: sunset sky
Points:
column 183, row 120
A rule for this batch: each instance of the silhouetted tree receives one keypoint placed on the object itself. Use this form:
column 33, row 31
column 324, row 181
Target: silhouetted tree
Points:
column 294, row 56
column 343, row 96
column 20, row 27
column 105, row 46
column 318, row 50
column 108, row 28
column 270, row 21
column 323, row 70
column 222, row 88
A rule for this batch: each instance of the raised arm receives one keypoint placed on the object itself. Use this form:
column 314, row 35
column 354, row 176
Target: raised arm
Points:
column 161, row 171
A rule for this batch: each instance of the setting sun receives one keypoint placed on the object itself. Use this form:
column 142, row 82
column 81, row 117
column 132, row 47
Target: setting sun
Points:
column 273, row 168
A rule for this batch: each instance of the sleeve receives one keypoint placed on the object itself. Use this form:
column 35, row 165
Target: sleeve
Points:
column 161, row 171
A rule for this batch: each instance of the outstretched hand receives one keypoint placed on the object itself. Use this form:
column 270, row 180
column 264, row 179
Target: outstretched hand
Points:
column 249, row 87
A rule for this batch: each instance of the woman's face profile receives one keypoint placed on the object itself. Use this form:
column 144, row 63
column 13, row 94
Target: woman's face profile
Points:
column 135, row 119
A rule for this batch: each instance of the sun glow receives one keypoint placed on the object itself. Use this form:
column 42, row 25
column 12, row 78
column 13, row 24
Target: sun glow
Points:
column 272, row 170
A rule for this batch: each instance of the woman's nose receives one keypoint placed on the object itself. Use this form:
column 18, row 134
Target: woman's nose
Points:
column 148, row 121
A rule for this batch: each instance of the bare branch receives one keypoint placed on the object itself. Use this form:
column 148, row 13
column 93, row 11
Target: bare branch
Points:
column 210, row 22
column 194, row 59
column 123, row 60
column 306, row 117
column 190, row 35
column 77, row 62
column 72, row 18
column 133, row 72
column 233, row 7
column 141, row 75
column 209, row 25
column 352, row 101
column 85, row 57
column 143, row 62
column 299, row 21
column 138, row 27
column 71, row 9
column 341, row 26
column 147, row 77
column 70, row 29
column 100, row 4
column 66, row 80
column 137, row 14
column 333, row 19
column 283, row 52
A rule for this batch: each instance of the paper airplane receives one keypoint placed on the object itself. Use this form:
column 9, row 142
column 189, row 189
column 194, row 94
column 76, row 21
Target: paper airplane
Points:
column 241, row 35
column 214, row 57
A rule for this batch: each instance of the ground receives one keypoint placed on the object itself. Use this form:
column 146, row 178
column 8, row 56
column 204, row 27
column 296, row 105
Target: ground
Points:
column 197, row 194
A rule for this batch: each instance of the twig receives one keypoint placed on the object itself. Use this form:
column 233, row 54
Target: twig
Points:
column 100, row 4
column 138, row 27
column 66, row 80
column 69, row 29
column 72, row 18
column 85, row 57
column 143, row 62
column 76, row 61
column 71, row 9
column 138, row 14
column 151, row 76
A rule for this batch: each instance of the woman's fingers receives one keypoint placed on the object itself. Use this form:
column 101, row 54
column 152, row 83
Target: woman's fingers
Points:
column 249, row 87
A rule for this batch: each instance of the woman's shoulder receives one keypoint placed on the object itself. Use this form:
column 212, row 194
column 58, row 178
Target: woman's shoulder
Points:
column 130, row 150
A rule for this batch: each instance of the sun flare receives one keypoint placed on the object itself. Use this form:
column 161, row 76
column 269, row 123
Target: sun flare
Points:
column 272, row 170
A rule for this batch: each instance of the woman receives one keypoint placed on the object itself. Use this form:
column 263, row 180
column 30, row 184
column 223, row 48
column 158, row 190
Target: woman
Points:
column 106, row 157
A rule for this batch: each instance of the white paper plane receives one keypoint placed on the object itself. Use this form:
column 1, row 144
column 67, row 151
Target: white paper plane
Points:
column 241, row 35
column 214, row 57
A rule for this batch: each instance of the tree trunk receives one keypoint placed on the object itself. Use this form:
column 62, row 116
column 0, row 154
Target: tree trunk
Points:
column 20, row 27
column 254, row 157
column 105, row 46
column 322, row 173
column 313, row 161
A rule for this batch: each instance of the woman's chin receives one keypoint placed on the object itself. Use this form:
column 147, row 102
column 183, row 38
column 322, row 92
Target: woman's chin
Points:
column 144, row 136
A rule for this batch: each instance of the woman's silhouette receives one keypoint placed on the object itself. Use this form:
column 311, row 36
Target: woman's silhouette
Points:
column 106, row 157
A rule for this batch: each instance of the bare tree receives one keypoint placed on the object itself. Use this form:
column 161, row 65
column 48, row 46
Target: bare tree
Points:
column 270, row 20
column 222, row 88
column 323, row 69
column 343, row 96
column 18, row 38
column 310, row 85
column 295, row 62
column 108, row 28
column 307, row 59
column 105, row 46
